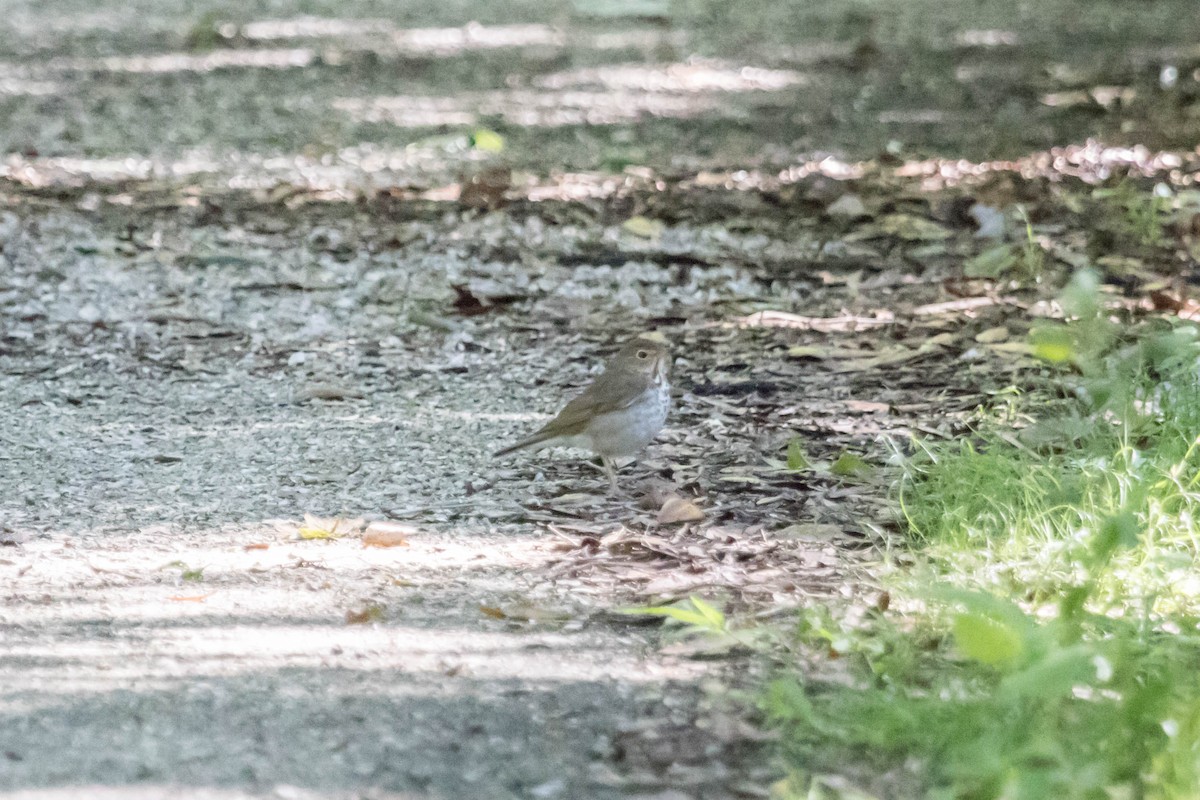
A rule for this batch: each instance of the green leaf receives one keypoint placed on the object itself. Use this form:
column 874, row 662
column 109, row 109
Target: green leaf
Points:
column 1053, row 344
column 987, row 639
column 711, row 614
column 849, row 465
column 701, row 614
column 797, row 460
column 486, row 140
column 318, row 532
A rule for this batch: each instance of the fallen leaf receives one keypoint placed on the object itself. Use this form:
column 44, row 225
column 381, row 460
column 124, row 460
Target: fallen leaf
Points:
column 941, row 340
column 992, row 335
column 468, row 303
column 797, row 460
column 364, row 615
column 677, row 509
column 964, row 304
column 821, row 353
column 387, row 534
column 643, row 227
column 318, row 528
column 867, row 407
column 1012, row 348
column 785, row 319
column 849, row 465
column 197, row 598
column 894, row 355
column 256, row 546
column 525, row 612
column 485, row 190
column 487, row 140
column 326, row 391
column 912, row 228
column 1053, row 344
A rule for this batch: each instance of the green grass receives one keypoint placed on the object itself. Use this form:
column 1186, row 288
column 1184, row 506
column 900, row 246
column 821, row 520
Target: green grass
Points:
column 1046, row 645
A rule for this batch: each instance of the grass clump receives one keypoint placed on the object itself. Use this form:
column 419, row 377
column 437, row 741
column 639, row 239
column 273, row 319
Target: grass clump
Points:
column 1048, row 646
column 1003, row 706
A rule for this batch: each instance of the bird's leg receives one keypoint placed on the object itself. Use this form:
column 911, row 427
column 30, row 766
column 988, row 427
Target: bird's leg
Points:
column 611, row 471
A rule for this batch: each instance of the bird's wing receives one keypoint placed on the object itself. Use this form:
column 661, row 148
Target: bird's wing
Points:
column 575, row 415
column 611, row 392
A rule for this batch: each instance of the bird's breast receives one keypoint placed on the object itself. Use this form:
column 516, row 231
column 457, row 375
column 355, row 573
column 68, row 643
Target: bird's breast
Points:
column 626, row 431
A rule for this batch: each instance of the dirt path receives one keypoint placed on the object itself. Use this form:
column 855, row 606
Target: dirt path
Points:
column 182, row 393
column 174, row 413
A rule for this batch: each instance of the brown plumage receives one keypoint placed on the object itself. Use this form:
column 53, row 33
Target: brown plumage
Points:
column 619, row 413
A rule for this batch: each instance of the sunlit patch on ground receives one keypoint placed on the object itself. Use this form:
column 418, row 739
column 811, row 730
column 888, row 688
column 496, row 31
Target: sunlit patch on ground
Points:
column 178, row 608
column 188, row 62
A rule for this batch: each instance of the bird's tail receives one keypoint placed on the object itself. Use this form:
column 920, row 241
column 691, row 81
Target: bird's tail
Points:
column 528, row 441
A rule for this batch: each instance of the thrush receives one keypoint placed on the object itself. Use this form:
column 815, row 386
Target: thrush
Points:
column 619, row 414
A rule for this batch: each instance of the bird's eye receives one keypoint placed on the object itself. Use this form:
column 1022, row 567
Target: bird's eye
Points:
column 643, row 354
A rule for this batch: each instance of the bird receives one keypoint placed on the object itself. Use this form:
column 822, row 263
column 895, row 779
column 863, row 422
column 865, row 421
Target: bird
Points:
column 619, row 413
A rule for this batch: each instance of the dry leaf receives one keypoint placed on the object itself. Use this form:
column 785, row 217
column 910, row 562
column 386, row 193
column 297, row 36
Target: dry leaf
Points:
column 940, row 340
column 894, row 355
column 785, row 319
column 196, row 598
column 992, row 335
column 1012, row 348
column 326, row 391
column 256, row 546
column 389, row 539
column 387, row 534
column 820, row 352
column 364, row 615
column 485, row 190
column 643, row 227
column 912, row 228
column 524, row 612
column 677, row 509
column 867, row 407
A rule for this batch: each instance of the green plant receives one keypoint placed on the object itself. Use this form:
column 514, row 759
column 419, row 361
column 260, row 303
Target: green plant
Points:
column 1140, row 216
column 1054, row 655
column 696, row 620
column 1016, row 708
column 1026, row 262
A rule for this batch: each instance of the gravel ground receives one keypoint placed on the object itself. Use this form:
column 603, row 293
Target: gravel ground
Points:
column 171, row 422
